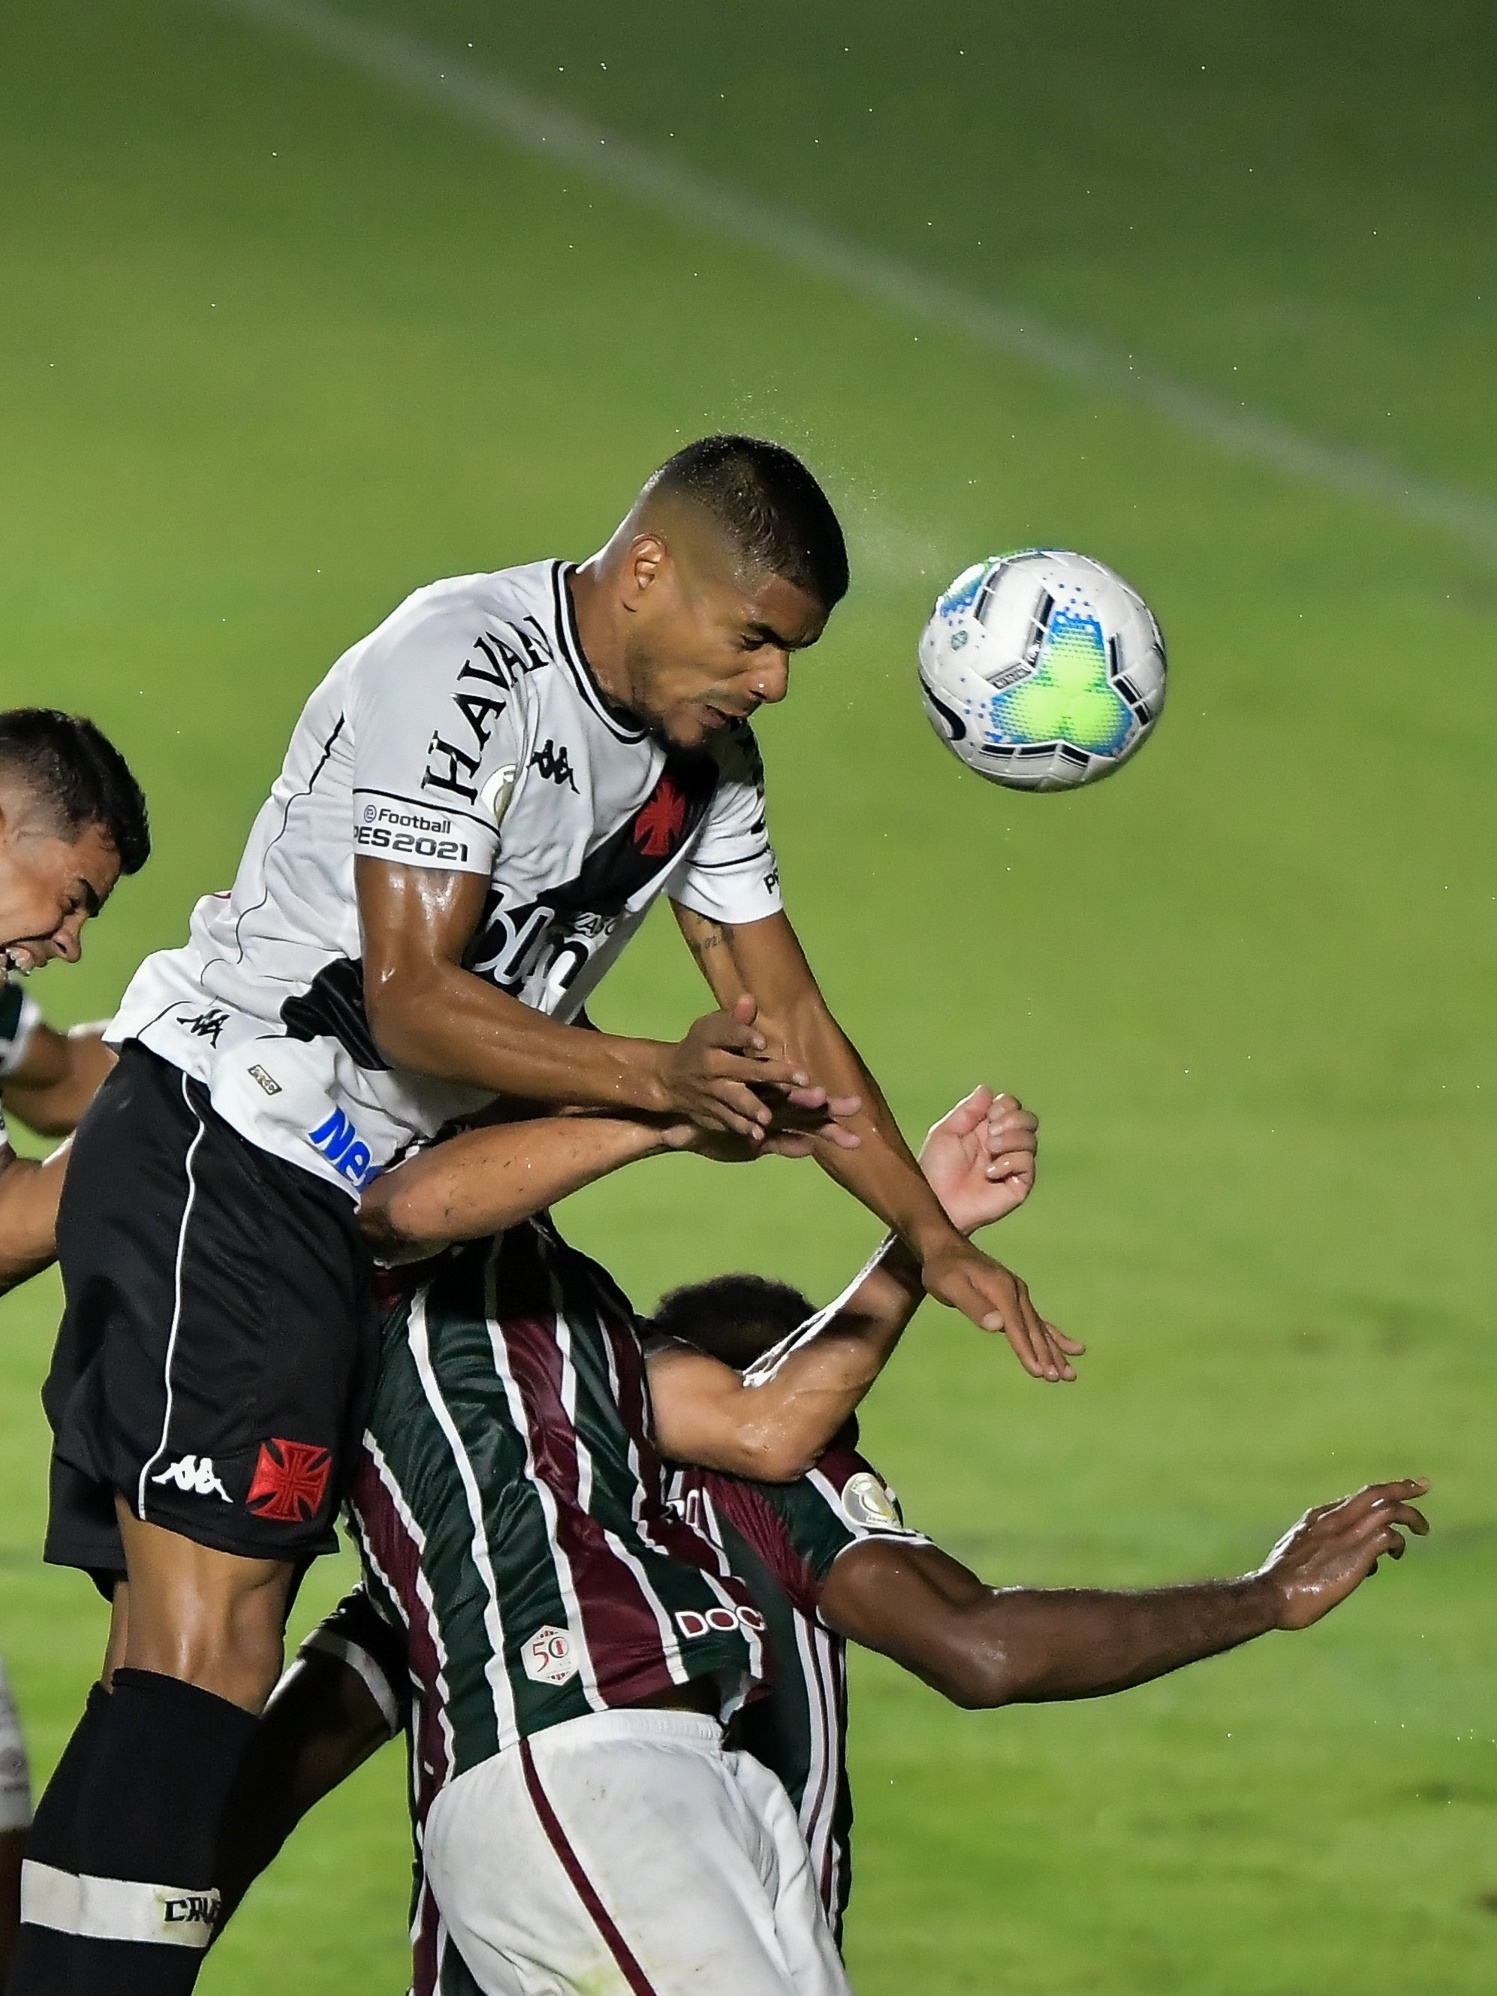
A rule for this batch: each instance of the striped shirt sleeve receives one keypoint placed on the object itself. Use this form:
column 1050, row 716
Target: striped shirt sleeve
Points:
column 842, row 1502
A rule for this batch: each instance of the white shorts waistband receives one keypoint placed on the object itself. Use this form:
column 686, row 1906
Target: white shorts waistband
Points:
column 635, row 1722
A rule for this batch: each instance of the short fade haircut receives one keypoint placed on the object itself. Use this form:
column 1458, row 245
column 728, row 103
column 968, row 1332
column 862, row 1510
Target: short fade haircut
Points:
column 78, row 778
column 769, row 506
column 733, row 1317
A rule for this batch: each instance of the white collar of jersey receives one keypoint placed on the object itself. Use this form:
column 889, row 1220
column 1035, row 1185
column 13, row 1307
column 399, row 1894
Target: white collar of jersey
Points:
column 576, row 658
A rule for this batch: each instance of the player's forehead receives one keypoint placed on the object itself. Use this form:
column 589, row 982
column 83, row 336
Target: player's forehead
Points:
column 738, row 591
column 767, row 608
column 90, row 866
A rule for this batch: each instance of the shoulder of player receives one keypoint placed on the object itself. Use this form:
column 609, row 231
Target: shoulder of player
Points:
column 844, row 1479
column 507, row 615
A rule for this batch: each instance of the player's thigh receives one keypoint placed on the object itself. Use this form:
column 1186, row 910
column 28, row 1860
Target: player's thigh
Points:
column 801, row 1922
column 614, row 1853
column 220, row 1334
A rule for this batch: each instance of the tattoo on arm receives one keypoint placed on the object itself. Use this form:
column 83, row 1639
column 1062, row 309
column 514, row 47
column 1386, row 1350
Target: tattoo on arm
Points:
column 710, row 936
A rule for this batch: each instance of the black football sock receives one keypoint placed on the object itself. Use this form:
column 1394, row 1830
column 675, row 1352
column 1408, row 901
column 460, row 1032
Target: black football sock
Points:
column 42, row 1954
column 148, row 1818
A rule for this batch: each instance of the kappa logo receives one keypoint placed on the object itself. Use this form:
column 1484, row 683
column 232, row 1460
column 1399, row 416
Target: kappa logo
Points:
column 660, row 822
column 555, row 765
column 290, row 1481
column 194, row 1476
column 723, row 1621
column 549, row 1657
column 207, row 1024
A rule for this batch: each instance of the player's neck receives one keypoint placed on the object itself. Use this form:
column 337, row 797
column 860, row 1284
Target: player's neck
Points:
column 601, row 640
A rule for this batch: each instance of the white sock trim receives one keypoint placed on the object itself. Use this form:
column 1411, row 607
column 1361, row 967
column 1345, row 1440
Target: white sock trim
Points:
column 116, row 1909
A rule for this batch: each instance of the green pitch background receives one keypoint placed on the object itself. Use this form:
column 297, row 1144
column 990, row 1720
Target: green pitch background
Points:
column 278, row 344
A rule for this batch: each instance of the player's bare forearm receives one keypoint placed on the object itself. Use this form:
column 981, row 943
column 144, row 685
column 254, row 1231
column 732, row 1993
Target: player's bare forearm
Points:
column 1021, row 1645
column 429, row 1014
column 29, row 1195
column 489, row 1179
column 764, row 960
column 704, row 1412
column 983, row 1646
column 58, row 1078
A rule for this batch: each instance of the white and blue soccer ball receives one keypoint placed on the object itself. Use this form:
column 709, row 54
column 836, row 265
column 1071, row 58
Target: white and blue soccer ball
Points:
column 1042, row 670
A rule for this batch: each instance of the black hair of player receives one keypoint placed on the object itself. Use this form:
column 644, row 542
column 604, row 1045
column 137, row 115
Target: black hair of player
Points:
column 733, row 1317
column 78, row 776
column 770, row 507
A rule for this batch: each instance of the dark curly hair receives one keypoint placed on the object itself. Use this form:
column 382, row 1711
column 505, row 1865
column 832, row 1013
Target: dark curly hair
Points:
column 770, row 507
column 734, row 1317
column 78, row 777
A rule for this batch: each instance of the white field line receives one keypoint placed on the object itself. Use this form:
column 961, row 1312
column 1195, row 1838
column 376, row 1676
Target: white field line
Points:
column 487, row 100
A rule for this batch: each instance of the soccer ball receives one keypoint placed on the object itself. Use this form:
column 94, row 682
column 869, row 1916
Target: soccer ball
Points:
column 1042, row 670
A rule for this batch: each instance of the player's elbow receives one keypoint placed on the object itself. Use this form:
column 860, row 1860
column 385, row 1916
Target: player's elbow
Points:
column 778, row 1460
column 394, row 1221
column 975, row 1670
column 752, row 1449
column 397, row 1004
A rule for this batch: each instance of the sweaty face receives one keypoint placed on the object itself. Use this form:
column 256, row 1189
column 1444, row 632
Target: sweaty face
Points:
column 49, row 887
column 707, row 647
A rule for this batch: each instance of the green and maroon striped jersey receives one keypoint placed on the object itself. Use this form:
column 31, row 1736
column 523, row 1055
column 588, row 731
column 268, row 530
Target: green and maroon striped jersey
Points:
column 783, row 1538
column 513, row 1515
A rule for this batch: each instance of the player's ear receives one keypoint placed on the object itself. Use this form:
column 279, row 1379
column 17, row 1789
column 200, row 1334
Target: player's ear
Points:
column 647, row 561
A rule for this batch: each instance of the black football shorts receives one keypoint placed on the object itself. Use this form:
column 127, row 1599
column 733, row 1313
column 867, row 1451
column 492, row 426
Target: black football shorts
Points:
column 218, row 1346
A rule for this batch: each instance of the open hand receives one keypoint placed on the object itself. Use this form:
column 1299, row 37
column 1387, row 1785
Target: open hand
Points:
column 1333, row 1549
column 980, row 1158
column 997, row 1300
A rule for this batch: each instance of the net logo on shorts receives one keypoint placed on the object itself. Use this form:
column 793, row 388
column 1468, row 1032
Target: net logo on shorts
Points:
column 549, row 1657
column 290, row 1482
column 724, row 1621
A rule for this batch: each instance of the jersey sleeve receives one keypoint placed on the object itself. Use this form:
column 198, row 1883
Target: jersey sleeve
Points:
column 729, row 872
column 840, row 1503
column 437, row 733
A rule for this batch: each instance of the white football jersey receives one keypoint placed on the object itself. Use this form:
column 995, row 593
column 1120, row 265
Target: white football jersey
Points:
column 466, row 732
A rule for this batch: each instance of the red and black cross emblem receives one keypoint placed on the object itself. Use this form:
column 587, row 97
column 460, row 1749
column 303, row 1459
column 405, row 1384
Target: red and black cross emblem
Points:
column 290, row 1481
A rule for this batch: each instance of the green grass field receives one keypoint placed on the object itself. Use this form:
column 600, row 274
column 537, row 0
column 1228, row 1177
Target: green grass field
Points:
column 280, row 343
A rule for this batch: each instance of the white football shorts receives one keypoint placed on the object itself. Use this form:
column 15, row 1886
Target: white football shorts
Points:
column 15, row 1769
column 627, row 1854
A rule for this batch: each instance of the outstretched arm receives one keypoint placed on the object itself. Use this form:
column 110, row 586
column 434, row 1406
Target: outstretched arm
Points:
column 980, row 1161
column 491, row 1178
column 981, row 1646
column 764, row 959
